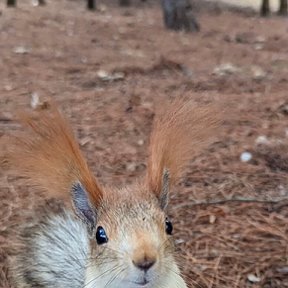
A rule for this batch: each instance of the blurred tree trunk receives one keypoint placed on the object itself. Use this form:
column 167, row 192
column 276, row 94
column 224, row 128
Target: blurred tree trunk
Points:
column 283, row 8
column 124, row 3
column 91, row 4
column 265, row 8
column 178, row 15
column 11, row 3
column 41, row 2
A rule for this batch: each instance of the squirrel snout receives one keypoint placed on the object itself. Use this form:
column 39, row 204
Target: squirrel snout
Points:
column 145, row 263
column 145, row 253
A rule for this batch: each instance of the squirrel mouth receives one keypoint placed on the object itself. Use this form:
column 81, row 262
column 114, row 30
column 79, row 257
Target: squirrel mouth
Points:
column 142, row 283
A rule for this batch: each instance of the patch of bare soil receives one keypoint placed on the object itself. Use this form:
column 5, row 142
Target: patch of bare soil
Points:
column 230, row 216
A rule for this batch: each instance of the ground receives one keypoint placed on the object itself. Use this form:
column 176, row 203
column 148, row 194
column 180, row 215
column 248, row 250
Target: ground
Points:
column 109, row 70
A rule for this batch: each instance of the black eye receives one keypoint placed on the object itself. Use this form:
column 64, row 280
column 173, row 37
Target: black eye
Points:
column 101, row 236
column 168, row 227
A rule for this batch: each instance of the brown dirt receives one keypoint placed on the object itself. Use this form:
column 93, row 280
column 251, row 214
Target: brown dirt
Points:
column 223, row 244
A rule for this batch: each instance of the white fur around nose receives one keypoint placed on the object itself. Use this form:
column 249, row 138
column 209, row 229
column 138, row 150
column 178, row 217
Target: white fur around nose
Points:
column 96, row 278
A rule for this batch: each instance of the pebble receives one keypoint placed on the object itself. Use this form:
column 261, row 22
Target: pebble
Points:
column 34, row 103
column 258, row 46
column 212, row 219
column 21, row 50
column 225, row 69
column 260, row 39
column 140, row 142
column 35, row 3
column 105, row 76
column 258, row 73
column 9, row 87
column 252, row 278
column 262, row 140
column 246, row 157
column 131, row 167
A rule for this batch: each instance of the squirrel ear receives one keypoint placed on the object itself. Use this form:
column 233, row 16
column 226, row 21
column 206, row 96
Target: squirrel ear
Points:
column 164, row 195
column 82, row 206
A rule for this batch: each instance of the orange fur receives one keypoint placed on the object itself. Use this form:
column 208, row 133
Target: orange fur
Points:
column 178, row 135
column 50, row 157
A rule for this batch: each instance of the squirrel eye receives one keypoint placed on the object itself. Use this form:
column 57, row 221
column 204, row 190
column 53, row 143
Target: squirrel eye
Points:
column 101, row 236
column 168, row 227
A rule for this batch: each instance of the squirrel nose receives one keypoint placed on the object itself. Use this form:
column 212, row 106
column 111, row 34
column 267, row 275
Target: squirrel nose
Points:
column 145, row 264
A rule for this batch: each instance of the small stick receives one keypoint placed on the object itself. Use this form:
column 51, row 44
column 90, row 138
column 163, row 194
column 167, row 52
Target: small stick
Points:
column 232, row 200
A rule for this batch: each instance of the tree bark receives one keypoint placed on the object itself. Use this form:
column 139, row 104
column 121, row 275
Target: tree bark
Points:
column 178, row 15
column 265, row 8
column 91, row 4
column 124, row 3
column 11, row 3
column 283, row 8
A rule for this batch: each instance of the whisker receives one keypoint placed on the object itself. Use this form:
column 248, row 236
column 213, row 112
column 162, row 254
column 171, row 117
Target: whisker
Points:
column 114, row 277
column 101, row 275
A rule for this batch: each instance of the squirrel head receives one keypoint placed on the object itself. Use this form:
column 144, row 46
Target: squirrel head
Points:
column 130, row 237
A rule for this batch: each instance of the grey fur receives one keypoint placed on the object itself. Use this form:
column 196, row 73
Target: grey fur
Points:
column 83, row 207
column 55, row 256
column 164, row 196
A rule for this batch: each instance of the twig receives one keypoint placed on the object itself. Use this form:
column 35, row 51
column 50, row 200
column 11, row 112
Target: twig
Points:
column 232, row 200
column 4, row 119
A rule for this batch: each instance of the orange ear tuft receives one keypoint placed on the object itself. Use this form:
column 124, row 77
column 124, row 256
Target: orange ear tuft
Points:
column 182, row 131
column 50, row 156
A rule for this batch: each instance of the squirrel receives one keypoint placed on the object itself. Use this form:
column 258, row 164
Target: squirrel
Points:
column 105, row 236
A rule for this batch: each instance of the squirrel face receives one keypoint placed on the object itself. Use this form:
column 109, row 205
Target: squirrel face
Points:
column 137, row 250
column 131, row 243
